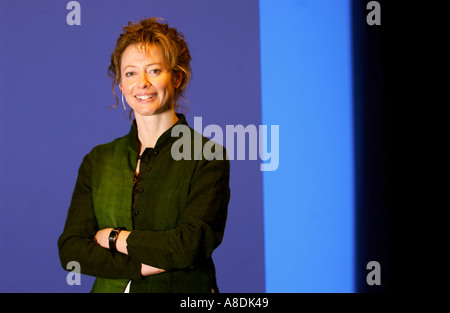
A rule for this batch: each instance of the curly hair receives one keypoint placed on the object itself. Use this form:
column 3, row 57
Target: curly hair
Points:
column 155, row 32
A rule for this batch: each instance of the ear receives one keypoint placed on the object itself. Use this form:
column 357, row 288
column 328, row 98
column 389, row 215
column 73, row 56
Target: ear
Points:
column 120, row 87
column 177, row 79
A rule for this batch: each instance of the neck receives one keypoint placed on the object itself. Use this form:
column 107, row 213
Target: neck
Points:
column 150, row 128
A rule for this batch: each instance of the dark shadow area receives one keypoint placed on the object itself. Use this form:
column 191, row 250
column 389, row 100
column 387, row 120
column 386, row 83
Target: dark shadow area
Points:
column 373, row 216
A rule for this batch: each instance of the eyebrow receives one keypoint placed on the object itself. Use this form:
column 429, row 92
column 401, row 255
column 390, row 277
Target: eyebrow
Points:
column 147, row 65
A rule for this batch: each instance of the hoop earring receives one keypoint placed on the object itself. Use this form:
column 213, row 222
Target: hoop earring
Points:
column 123, row 103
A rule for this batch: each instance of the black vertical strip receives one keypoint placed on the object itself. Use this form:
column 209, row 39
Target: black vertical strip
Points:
column 373, row 210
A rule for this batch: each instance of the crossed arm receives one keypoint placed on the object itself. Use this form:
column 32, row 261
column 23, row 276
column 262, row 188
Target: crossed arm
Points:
column 121, row 245
column 199, row 231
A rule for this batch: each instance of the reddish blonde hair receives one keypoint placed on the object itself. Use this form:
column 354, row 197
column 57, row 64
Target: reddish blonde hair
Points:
column 155, row 32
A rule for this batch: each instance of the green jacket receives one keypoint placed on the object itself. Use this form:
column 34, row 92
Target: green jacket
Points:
column 176, row 211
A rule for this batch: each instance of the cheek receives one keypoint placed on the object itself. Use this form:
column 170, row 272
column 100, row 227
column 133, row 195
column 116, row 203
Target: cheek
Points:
column 161, row 87
column 168, row 86
column 126, row 88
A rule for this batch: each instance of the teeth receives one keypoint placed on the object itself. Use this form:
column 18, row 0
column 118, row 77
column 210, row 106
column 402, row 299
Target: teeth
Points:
column 145, row 97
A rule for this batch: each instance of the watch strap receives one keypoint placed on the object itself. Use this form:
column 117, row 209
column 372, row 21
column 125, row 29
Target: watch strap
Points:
column 112, row 239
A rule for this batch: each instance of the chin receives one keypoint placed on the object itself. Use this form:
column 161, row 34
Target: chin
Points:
column 152, row 111
column 145, row 112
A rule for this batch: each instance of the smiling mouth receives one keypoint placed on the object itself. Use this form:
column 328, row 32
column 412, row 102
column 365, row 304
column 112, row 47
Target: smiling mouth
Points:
column 146, row 97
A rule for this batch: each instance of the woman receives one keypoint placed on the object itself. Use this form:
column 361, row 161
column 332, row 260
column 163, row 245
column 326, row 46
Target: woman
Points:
column 139, row 220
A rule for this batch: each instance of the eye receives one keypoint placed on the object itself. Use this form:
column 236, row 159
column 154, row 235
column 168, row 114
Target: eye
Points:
column 128, row 74
column 155, row 71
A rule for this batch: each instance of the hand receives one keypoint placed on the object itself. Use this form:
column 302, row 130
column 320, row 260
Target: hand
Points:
column 101, row 237
column 147, row 270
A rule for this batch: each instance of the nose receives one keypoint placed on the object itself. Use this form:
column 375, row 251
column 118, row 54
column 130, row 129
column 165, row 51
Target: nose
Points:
column 144, row 82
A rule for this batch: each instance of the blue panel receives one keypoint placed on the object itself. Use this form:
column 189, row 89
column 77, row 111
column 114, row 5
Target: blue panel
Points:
column 309, row 200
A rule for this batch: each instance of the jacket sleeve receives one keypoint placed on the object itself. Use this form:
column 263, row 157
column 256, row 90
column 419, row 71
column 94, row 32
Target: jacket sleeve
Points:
column 76, row 242
column 201, row 223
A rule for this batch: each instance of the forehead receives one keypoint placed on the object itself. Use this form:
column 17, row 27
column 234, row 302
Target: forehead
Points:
column 141, row 53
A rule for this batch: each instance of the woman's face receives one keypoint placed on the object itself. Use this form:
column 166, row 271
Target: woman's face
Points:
column 146, row 83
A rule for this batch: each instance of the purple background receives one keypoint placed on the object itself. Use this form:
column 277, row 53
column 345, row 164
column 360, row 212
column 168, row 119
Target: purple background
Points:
column 54, row 98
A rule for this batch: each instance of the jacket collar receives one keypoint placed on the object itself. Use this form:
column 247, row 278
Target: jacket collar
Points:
column 162, row 140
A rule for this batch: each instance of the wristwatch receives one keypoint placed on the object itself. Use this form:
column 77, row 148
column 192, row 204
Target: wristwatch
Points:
column 113, row 238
